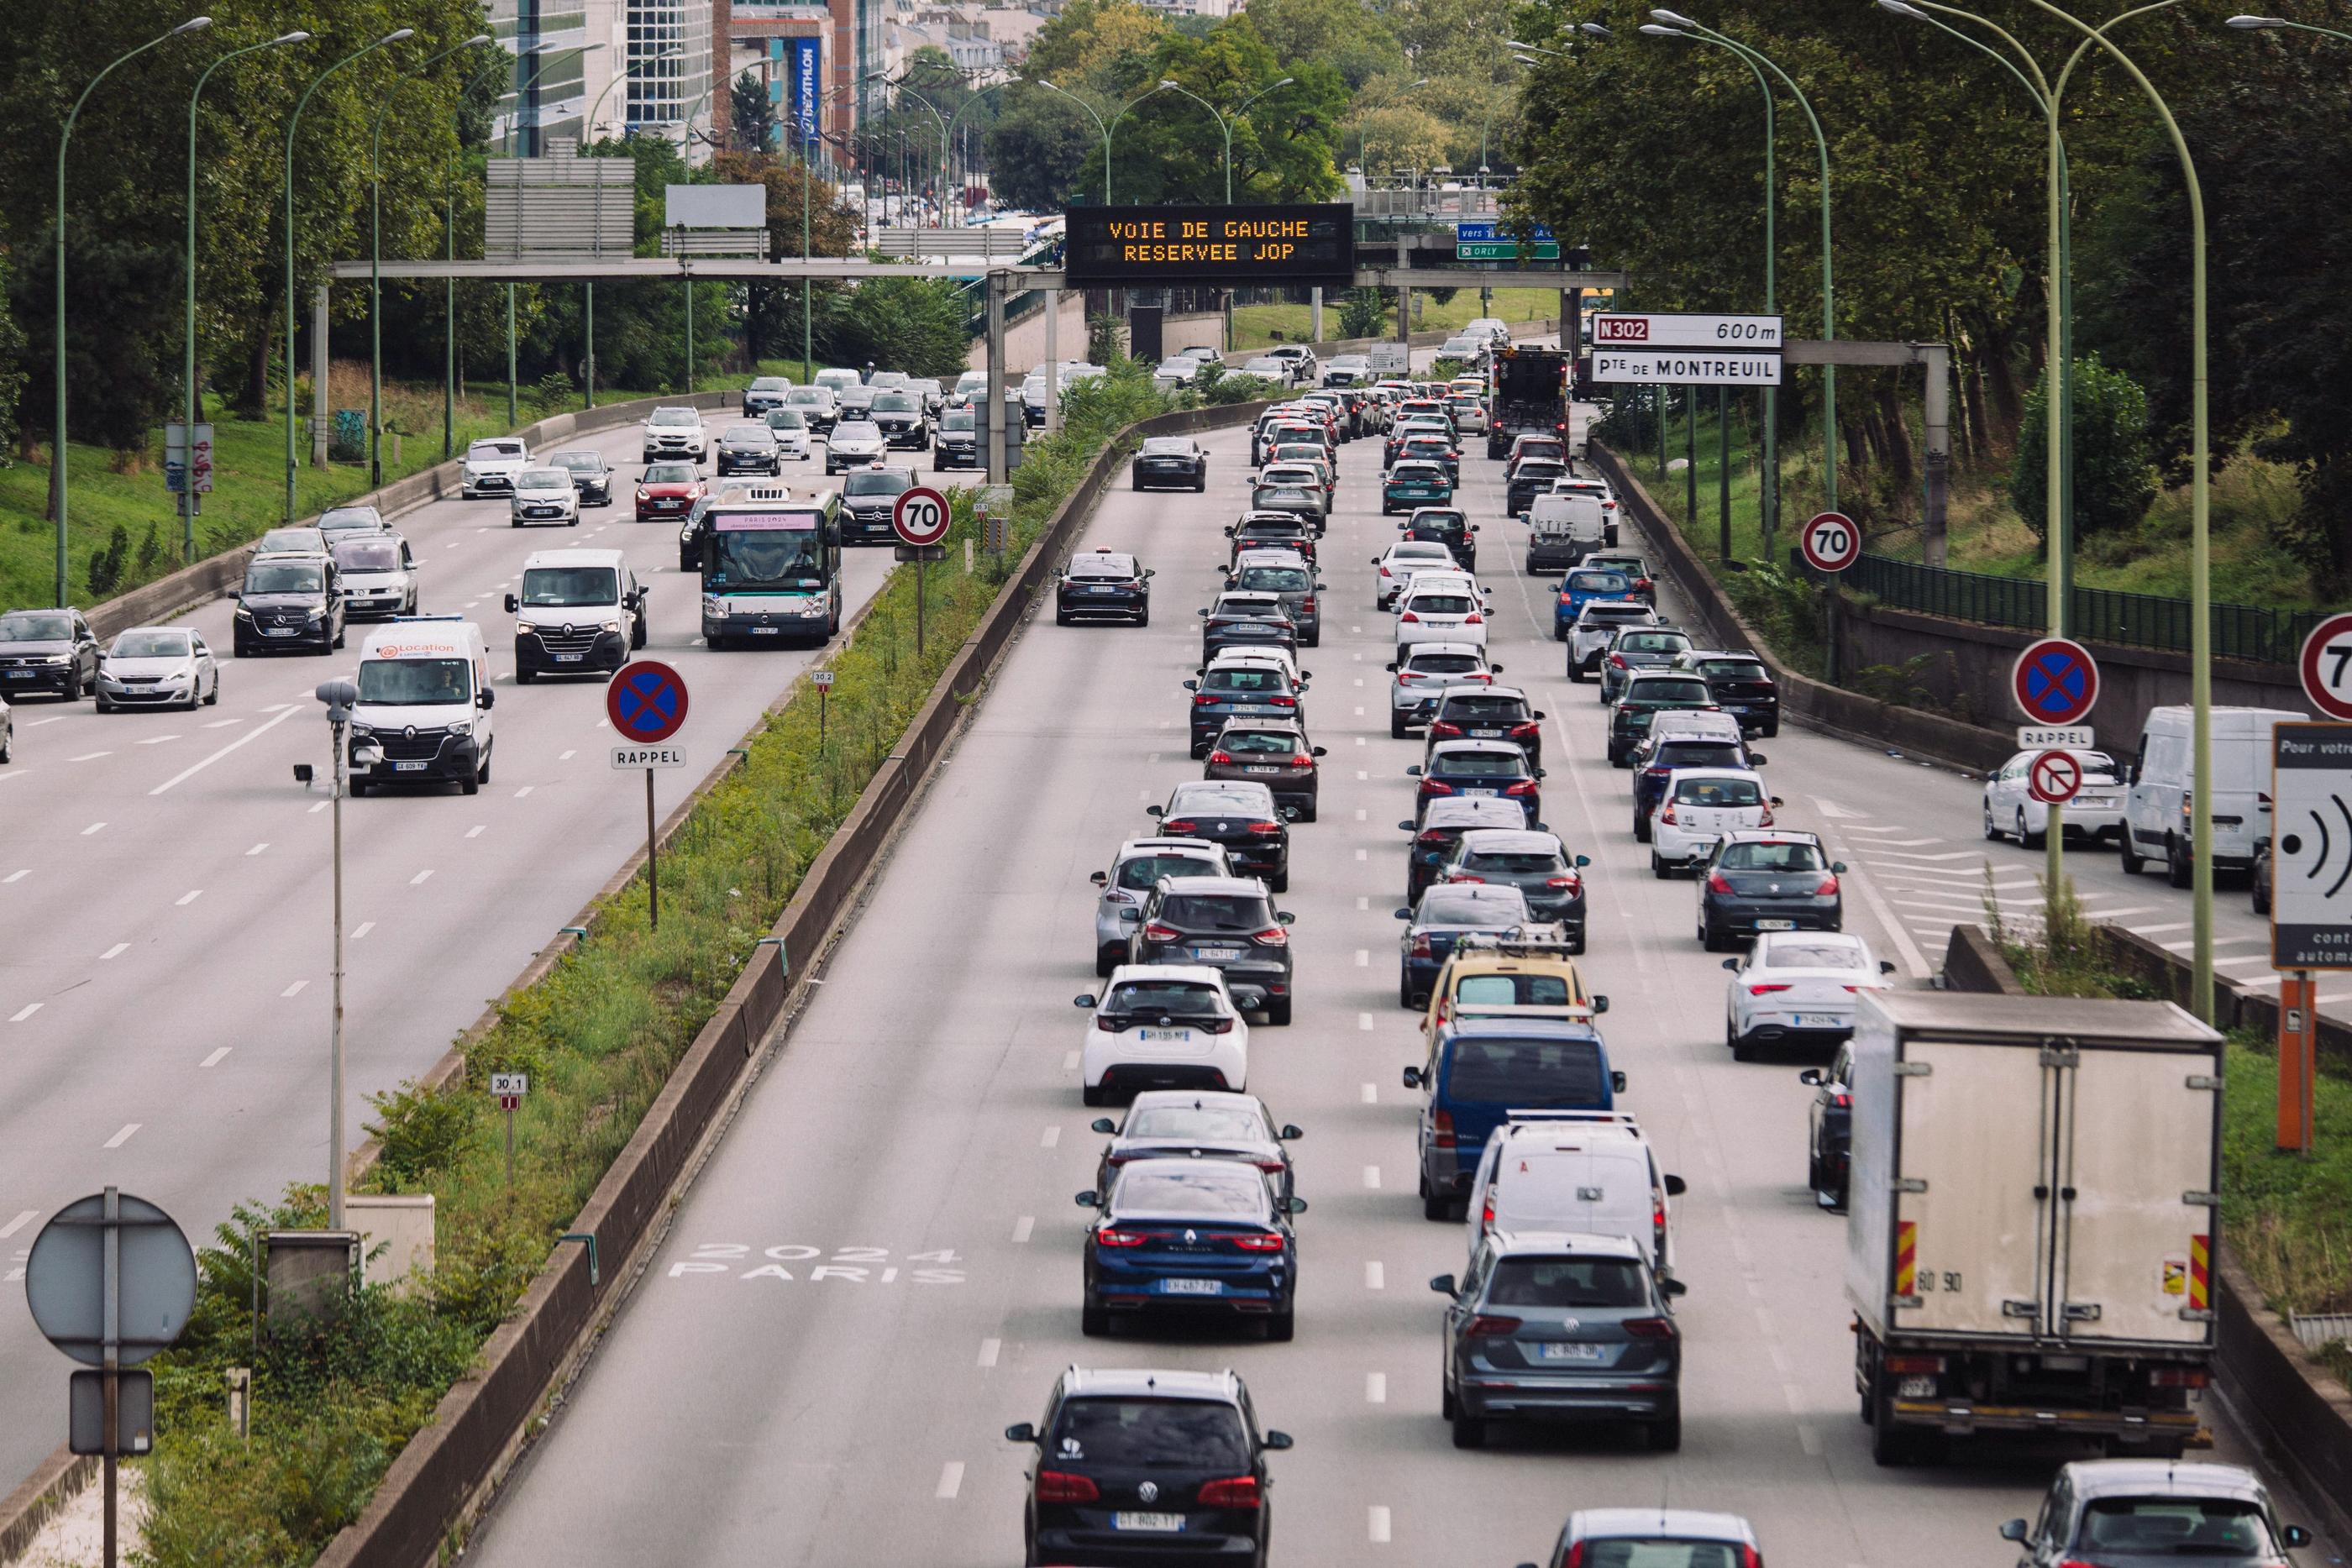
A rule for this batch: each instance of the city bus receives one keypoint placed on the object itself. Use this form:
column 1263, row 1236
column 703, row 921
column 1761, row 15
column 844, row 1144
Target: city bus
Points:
column 771, row 569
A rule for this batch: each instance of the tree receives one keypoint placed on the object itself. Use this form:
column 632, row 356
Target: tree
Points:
column 751, row 114
column 12, row 368
column 1352, row 39
column 919, row 325
column 1037, row 150
column 1364, row 313
column 2114, row 478
column 1283, row 147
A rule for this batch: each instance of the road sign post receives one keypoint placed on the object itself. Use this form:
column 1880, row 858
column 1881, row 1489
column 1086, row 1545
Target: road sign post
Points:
column 822, row 681
column 2054, row 682
column 2055, row 778
column 921, row 517
column 2326, row 666
column 647, row 702
column 510, row 1087
column 1830, row 543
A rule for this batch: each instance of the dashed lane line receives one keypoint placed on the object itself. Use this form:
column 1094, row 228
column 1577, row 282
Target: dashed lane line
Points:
column 123, row 1136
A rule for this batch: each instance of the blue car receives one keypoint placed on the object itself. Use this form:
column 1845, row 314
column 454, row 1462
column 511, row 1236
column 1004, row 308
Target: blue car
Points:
column 1191, row 1237
column 1580, row 588
column 1479, row 1072
column 1415, row 482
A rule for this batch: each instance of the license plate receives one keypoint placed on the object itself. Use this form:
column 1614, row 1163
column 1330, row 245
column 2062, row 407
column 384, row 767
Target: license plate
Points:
column 568, row 658
column 1776, row 925
column 1569, row 1352
column 1192, row 1286
column 277, row 631
column 1485, row 734
column 1822, row 1020
column 22, row 674
column 1165, row 1524
column 1156, row 1034
column 1474, row 793
column 1255, row 769
column 408, row 768
column 1216, row 952
column 765, row 631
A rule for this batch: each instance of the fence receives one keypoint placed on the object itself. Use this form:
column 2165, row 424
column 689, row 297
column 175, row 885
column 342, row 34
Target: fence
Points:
column 2247, row 631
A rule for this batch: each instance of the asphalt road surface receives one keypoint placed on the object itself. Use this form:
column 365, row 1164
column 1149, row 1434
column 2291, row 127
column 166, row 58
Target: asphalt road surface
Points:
column 879, row 1267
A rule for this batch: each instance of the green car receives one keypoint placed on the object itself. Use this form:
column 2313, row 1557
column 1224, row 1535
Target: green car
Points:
column 1414, row 484
column 1645, row 697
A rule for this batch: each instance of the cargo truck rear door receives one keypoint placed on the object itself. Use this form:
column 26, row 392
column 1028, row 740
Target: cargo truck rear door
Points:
column 2132, row 1254
column 1968, row 1224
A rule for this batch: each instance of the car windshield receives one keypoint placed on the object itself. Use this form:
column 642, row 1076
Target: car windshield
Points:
column 1568, row 1283
column 771, row 383
column 1244, row 681
column 350, row 517
column 1136, row 875
column 1719, row 792
column 857, row 430
column 878, row 482
column 277, row 577
column 578, row 462
column 1208, row 1123
column 1477, row 908
column 2175, row 1527
column 1258, row 743
column 1480, row 764
column 495, row 449
column 1409, row 553
column 1147, row 1434
column 1484, row 709
column 1669, row 692
column 544, row 480
column 1779, row 855
column 746, row 559
column 1274, row 580
column 959, row 419
column 1732, row 669
column 671, row 474
column 807, row 397
column 754, row 434
column 896, row 402
column 1217, row 911
column 367, row 555
column 557, row 586
column 1599, row 582
column 1656, row 1554
column 413, row 683
column 1174, row 998
column 1438, row 604
column 1212, row 1188
column 150, row 645
column 1515, row 863
column 1170, row 445
column 786, row 418
column 1527, row 1073
column 1446, row 663
column 1444, row 522
column 1416, row 474
column 676, row 416
column 1653, row 641
column 1511, row 991
column 24, row 628
column 1814, row 955
column 1250, row 610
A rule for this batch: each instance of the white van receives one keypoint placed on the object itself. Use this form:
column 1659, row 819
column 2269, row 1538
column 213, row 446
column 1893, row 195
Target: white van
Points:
column 2159, row 777
column 1576, row 1170
column 579, row 612
column 836, row 379
column 424, row 710
column 1562, row 529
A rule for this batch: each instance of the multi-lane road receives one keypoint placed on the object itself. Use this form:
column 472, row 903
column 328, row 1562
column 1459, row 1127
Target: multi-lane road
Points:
column 879, row 1267
column 164, row 894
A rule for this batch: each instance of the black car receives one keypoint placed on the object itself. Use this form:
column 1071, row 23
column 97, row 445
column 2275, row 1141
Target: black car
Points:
column 1246, row 621
column 1538, row 864
column 1271, row 530
column 1829, row 1140
column 1223, row 923
column 1636, row 648
column 1654, row 761
column 1441, row 827
column 764, row 393
column 1742, row 684
column 868, row 497
column 288, row 603
column 1272, row 752
column 957, row 446
column 902, row 419
column 590, row 476
column 1170, row 460
column 1479, row 769
column 1489, row 713
column 1443, row 916
column 1227, row 690
column 1763, row 880
column 1192, row 1438
column 1443, row 525
column 1646, row 696
column 1240, row 818
column 1198, row 1124
column 749, row 449
column 1191, row 1238
column 1103, row 584
column 47, row 651
column 1528, row 480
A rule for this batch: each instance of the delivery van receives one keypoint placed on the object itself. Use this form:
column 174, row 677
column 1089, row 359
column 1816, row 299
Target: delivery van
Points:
column 2161, row 775
column 423, row 711
column 1589, row 1171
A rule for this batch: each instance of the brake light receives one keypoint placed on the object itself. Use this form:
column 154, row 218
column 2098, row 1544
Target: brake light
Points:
column 1717, row 883
column 1828, row 887
column 1110, row 1238
column 1272, row 936
column 1180, row 828
column 1308, row 603
column 1203, row 699
column 1444, row 728
column 1667, row 815
column 1488, row 1323
column 1915, row 1364
column 1570, row 881
column 1474, row 619
column 1216, row 1025
column 1057, row 1486
column 1241, row 1491
column 1302, row 760
column 1525, row 731
column 1750, row 1558
column 1271, row 1166
column 1419, row 947
column 1225, row 757
column 1765, row 821
column 1266, row 827
column 1487, row 1211
column 1658, row 1224
column 1282, row 701
column 1525, row 787
column 1441, row 1130
column 1385, row 571
column 1410, row 616
column 1436, row 786
column 1268, row 1242
column 1854, row 987
column 1156, row 932
column 1842, row 1100
column 1617, row 660
column 1766, row 990
column 1649, row 1328
column 1642, row 584
column 1465, row 877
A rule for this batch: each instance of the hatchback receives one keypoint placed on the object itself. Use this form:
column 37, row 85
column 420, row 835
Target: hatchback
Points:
column 1659, row 755
column 1767, row 880
column 1421, row 673
column 1161, row 1026
column 1797, row 987
column 1170, row 460
column 1134, row 871
column 1488, row 712
column 2095, row 812
column 1429, row 447
column 1198, row 1124
column 1241, row 817
column 1596, row 626
column 1411, row 483
column 1655, row 1538
column 766, row 392
column 337, row 522
column 1187, row 1237
column 1246, row 621
column 2123, row 1513
column 1225, row 923
column 1229, row 689
column 1443, row 823
column 1744, row 687
column 1646, row 696
column 544, row 495
column 1477, row 769
column 670, row 490
column 854, row 444
column 1273, row 753
column 157, row 666
column 1697, row 807
column 1270, row 531
column 749, row 448
column 1446, row 526
column 589, row 476
column 1538, row 864
column 1645, row 582
column 1533, row 476
column 1582, row 586
column 1440, row 611
column 378, row 573
column 791, row 429
column 1103, row 584
column 1638, row 648
column 1444, row 915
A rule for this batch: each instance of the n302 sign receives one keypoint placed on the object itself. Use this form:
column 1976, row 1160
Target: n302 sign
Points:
column 1757, row 332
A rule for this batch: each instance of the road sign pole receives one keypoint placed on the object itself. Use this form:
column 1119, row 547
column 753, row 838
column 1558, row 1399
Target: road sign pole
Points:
column 509, row 1113
column 110, row 1367
column 2297, row 1030
column 920, row 564
column 652, row 869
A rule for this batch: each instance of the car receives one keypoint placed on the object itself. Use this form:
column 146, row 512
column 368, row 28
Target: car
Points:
column 336, row 521
column 289, row 602
column 544, row 495
column 675, row 432
column 1767, row 880
column 1530, row 477
column 1484, row 711
column 1561, row 1326
column 1198, row 1124
column 1443, row 914
column 902, row 419
column 490, row 466
column 1447, row 526
column 1479, row 768
column 1348, row 371
column 1413, row 480
column 1396, row 564
column 1797, row 987
column 1288, row 576
column 1170, row 460
column 2259, row 879
column 749, row 448
column 927, row 387
column 1207, row 353
column 1829, row 1129
column 1684, row 745
column 885, row 381
column 1597, row 625
column 1534, row 444
column 1246, row 621
column 47, row 650
column 1272, row 752
column 670, row 490
column 1742, row 684
column 854, row 444
column 8, row 731
column 1478, row 1070
column 837, row 379
column 590, row 478
column 1233, row 686
column 789, row 426
column 1638, row 648
column 856, row 402
column 1177, row 370
column 1443, row 822
column 1299, row 357
column 1420, row 447
column 1648, row 694
column 869, row 498
column 816, row 404
column 1243, row 817
column 1162, row 1026
column 956, row 444
column 1584, row 585
column 1439, row 611
column 1103, row 584
column 1270, row 369
column 578, row 612
column 1537, row 863
column 764, row 393
column 1310, row 456
column 1192, row 1438
column 1225, row 923
column 1645, row 582
column 1462, row 346
column 1509, row 977
column 2122, row 1513
column 969, row 385
column 1292, row 487
column 1187, row 1237
column 1421, row 673
column 1137, row 867
column 303, row 541
column 2095, row 812
column 1278, row 530
column 1666, row 1536
column 157, row 666
column 1469, row 414
column 377, row 572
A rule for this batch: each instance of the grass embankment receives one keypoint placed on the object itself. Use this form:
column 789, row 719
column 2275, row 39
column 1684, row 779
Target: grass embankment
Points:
column 2286, row 1218
column 1259, row 326
column 599, row 1036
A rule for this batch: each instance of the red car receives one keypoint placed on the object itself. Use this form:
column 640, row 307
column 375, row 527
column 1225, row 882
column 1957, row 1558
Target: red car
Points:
column 669, row 490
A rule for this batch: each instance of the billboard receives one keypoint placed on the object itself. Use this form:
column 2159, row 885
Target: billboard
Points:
column 807, row 62
column 1310, row 243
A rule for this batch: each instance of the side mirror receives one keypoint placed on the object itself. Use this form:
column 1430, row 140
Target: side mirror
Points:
column 1131, row 916
column 1390, row 665
column 1201, row 611
column 1192, row 685
column 1540, row 713
column 2294, row 1535
column 1294, row 1205
column 1083, row 1000
column 1617, row 1082
column 1583, row 861
column 1104, row 1124
column 2013, row 1530
column 1774, row 799
column 486, row 698
column 1089, row 1199
column 1886, row 966
column 1672, row 1288
column 1541, row 773
column 1319, row 751
column 513, row 604
column 1284, row 917
column 1290, row 1130
column 1404, row 914
column 1276, row 1441
column 1496, row 670
column 1414, row 771
column 1732, row 965
column 1099, row 878
column 1021, row 1432
column 1306, row 675
column 1413, row 1077
column 1675, row 1185
column 1600, row 1005
column 1404, row 827
column 1760, row 760
column 1838, row 866
column 1155, row 810
column 1811, row 1077
column 1443, row 1285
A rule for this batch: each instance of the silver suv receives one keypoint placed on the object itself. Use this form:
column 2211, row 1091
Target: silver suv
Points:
column 673, row 434
column 1138, row 864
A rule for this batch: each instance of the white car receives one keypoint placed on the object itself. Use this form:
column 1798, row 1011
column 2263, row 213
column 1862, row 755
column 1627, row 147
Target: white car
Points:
column 1138, row 864
column 491, row 466
column 855, row 444
column 7, row 729
column 1797, row 986
column 154, row 666
column 1207, row 353
column 1441, row 612
column 1397, row 564
column 1299, row 358
column 2097, row 812
column 1159, row 1024
column 789, row 426
column 1421, row 673
column 1270, row 369
column 545, row 496
column 1697, row 807
column 1597, row 623
column 676, row 434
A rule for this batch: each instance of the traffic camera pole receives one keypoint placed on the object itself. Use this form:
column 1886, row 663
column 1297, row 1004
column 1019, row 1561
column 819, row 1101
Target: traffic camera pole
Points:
column 653, row 864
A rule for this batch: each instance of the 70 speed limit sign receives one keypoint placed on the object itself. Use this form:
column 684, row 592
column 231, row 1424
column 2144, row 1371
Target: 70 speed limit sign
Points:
column 921, row 517
column 1831, row 542
column 2326, row 666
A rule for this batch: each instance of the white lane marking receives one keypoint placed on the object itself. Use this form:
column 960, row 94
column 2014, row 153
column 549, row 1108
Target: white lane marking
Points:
column 420, row 876
column 364, row 928
column 1360, row 681
column 16, row 876
column 94, row 827
column 1363, row 855
column 1375, row 1276
column 196, row 767
column 1361, row 776
column 158, row 739
column 1070, row 1062
column 1915, row 855
column 216, row 1057
column 23, row 1219
column 189, row 897
column 223, row 722
column 2096, row 913
column 274, row 707
column 1363, row 902
column 1912, row 959
column 320, row 807
column 28, row 1011
column 1360, row 713
column 115, row 952
column 1364, row 1023
column 988, row 1351
column 2243, row 958
column 1360, row 740
column 1051, row 1137
column 295, row 990
column 1022, row 1227
column 90, row 756
column 524, row 791
column 1899, row 843
column 1359, row 813
column 123, row 1136
column 951, row 1480
column 567, row 756
column 475, row 830
column 2135, row 930
column 2217, row 942
column 1372, row 1178
column 36, row 723
column 258, row 848
column 1371, row 1094
column 1376, row 1523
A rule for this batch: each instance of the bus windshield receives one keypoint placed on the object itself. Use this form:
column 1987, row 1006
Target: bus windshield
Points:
column 767, row 552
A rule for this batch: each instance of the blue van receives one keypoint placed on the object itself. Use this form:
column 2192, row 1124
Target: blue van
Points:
column 1480, row 1070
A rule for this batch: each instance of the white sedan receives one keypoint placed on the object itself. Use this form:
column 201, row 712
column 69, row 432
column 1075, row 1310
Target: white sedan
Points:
column 1440, row 611
column 2011, row 810
column 1398, row 564
column 1162, row 1026
column 1796, row 987
column 1424, row 670
column 7, row 729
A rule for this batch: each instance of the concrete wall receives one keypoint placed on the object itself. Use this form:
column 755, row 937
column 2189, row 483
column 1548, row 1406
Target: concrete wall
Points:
column 1024, row 340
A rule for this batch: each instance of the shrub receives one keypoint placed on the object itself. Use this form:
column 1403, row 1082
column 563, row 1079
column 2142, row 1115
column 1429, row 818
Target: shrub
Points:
column 2115, row 478
column 1364, row 313
column 106, row 565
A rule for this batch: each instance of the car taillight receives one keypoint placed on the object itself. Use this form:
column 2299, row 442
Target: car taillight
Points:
column 1272, row 936
column 1667, row 814
column 1915, row 1364
column 1717, row 883
column 1474, row 619
column 1441, row 1130
column 1109, row 1023
column 1642, row 584
column 1283, row 702
column 1750, row 1558
column 1764, row 990
column 1385, row 571
column 1842, row 1100
column 1270, row 1166
column 1649, row 1328
column 1617, row 660
column 1444, row 728
column 1420, row 947
column 1465, row 877
column 1214, row 1026
column 1059, row 1486
column 1854, row 987
column 1436, row 786
column 1570, row 881
column 1266, row 827
column 1525, row 731
column 1156, row 932
column 1827, row 889
column 1410, row 616
column 1241, row 1491
column 1575, row 1558
column 1203, row 699
column 1120, row 1238
column 2177, row 1377
column 1658, row 1225
column 1302, row 760
column 1524, row 787
column 1765, row 821
column 1489, row 1323
column 1266, row 1242
column 1221, row 757
column 1308, row 603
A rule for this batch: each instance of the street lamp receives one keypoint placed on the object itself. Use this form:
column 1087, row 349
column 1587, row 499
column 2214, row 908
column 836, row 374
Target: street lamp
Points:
column 539, row 51
column 961, row 109
column 340, row 697
column 58, row 430
column 292, row 121
column 1222, row 129
column 188, row 369
column 1097, row 118
column 2255, row 23
column 1113, row 125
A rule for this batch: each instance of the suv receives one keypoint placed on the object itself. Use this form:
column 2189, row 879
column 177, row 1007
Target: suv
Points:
column 1637, row 648
column 1596, row 625
column 1489, row 713
column 1114, row 1447
column 1286, row 574
column 902, row 420
column 1424, row 672
column 1478, row 1069
column 287, row 601
column 50, row 649
column 1223, row 923
column 1646, row 695
column 491, row 466
column 2135, row 1510
column 1242, row 818
column 675, row 432
column 868, row 499
column 1272, row 752
column 957, row 446
column 1232, row 687
column 1741, row 684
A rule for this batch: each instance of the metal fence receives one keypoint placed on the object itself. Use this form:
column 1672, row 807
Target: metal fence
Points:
column 2246, row 632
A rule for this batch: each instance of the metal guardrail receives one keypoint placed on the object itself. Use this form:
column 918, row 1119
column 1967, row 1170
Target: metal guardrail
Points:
column 2317, row 1328
column 2249, row 632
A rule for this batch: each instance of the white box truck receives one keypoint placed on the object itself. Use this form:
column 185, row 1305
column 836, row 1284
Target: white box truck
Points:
column 2033, row 1211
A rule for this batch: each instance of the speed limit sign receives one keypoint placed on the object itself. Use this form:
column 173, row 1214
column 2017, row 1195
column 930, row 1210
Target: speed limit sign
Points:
column 2326, row 666
column 1831, row 542
column 921, row 517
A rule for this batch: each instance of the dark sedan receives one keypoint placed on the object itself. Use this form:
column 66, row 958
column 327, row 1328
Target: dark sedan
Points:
column 1191, row 1237
column 1488, row 712
column 1225, row 692
column 749, row 449
column 1829, row 1140
column 1638, row 648
column 1198, row 1124
column 902, row 420
column 1240, row 819
column 286, row 604
column 1246, row 621
column 590, row 476
column 1767, row 881
column 1442, row 825
column 1271, row 530
column 1742, row 685
column 1646, row 696
column 1286, row 574
column 1103, row 584
column 1221, row 923
column 1445, row 526
column 1445, row 914
column 1431, row 449
column 1538, row 864
column 1528, row 480
column 1273, row 753
column 1479, row 769
column 1170, row 460
column 47, row 650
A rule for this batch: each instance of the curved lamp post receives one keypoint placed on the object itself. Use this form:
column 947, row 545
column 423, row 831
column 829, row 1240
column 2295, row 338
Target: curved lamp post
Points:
column 2256, row 24
column 1097, row 118
column 961, row 109
column 1112, row 128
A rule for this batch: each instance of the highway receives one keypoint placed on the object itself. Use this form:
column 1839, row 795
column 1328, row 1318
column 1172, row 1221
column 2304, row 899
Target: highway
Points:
column 879, row 1267
column 165, row 897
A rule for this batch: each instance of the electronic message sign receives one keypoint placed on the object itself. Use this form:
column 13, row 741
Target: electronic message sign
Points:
column 1286, row 243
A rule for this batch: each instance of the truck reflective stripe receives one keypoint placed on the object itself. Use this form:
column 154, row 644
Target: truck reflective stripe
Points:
column 1906, row 1257
column 2200, row 1289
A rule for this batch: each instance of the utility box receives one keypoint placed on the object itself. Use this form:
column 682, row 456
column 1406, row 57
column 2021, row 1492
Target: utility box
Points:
column 307, row 1273
column 396, row 1237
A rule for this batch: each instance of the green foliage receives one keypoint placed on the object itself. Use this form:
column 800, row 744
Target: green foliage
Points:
column 106, row 565
column 1353, row 40
column 1038, row 148
column 1785, row 611
column 750, row 113
column 553, row 393
column 12, row 368
column 1104, row 340
column 1364, row 312
column 914, row 324
column 419, row 1133
column 2113, row 479
column 1215, row 387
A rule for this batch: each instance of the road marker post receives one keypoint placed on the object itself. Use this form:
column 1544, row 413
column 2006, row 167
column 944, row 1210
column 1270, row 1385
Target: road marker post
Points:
column 921, row 517
column 510, row 1087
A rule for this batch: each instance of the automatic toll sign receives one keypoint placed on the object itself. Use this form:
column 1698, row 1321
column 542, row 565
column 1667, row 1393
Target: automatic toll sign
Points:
column 1831, row 542
column 2054, row 681
column 2055, row 778
column 647, row 702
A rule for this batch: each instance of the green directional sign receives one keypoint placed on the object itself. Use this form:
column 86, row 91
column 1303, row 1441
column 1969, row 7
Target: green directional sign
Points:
column 1505, row 250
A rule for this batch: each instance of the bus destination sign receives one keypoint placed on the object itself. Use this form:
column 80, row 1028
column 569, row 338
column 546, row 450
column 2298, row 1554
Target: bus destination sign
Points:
column 1289, row 243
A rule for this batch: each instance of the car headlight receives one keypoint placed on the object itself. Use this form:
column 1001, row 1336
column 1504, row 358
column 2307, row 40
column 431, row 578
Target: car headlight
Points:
column 463, row 726
column 363, row 732
column 612, row 625
column 713, row 605
column 60, row 659
column 318, row 614
column 644, row 494
column 525, row 629
column 242, row 613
